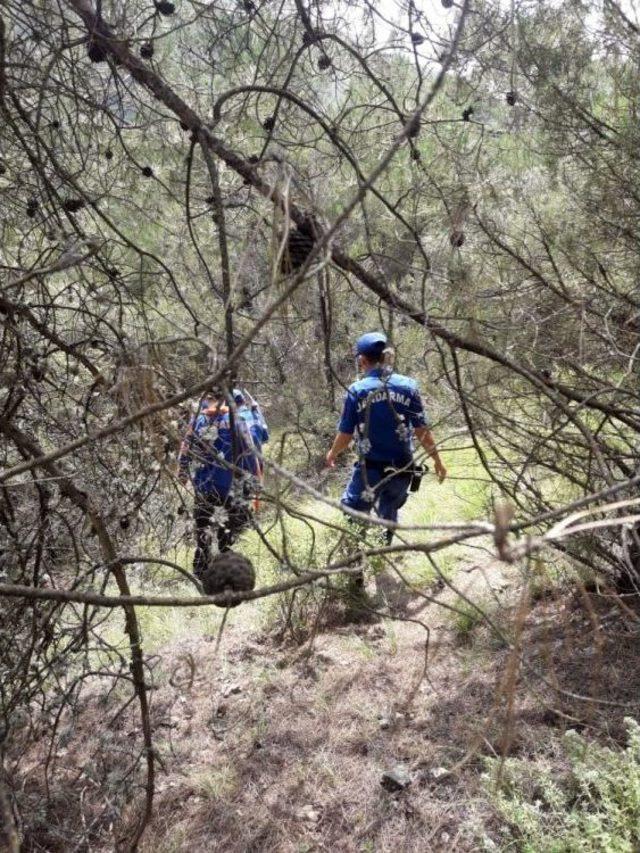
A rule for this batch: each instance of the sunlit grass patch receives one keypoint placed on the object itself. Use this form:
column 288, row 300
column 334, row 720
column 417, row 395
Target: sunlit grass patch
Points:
column 302, row 534
column 160, row 626
column 297, row 533
column 461, row 498
column 215, row 783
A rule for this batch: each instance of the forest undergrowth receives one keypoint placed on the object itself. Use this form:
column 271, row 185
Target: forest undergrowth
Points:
column 204, row 198
column 275, row 732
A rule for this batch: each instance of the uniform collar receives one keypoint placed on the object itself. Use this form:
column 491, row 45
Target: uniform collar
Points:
column 375, row 371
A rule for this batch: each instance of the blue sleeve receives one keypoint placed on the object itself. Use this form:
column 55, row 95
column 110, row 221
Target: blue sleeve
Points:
column 417, row 416
column 262, row 431
column 349, row 418
column 247, row 454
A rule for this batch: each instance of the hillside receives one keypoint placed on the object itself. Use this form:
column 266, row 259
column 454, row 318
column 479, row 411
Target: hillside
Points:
column 259, row 263
column 272, row 736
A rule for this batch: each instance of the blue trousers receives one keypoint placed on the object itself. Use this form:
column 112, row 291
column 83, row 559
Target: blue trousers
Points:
column 389, row 493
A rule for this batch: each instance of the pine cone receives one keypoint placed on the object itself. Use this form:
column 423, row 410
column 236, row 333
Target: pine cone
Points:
column 228, row 572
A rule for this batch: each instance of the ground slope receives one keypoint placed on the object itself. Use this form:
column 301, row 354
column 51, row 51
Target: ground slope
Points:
column 275, row 746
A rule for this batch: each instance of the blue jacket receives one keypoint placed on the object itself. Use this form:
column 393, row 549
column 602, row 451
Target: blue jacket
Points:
column 257, row 425
column 207, row 451
column 381, row 410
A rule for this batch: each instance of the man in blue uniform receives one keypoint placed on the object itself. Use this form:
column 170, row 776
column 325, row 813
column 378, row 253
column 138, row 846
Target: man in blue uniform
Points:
column 382, row 412
column 217, row 442
column 249, row 411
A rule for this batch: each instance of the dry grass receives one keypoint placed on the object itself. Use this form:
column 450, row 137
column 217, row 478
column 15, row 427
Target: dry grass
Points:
column 269, row 749
column 306, row 741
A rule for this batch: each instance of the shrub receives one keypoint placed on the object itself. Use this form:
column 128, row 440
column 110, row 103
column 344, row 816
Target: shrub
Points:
column 594, row 806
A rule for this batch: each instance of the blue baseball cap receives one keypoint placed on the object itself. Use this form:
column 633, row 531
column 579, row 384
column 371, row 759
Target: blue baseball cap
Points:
column 371, row 345
column 238, row 396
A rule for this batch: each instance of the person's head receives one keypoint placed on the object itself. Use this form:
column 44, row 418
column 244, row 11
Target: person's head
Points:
column 238, row 397
column 211, row 400
column 208, row 399
column 372, row 351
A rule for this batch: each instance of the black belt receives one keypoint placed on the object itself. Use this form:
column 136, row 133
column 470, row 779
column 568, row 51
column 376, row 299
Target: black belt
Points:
column 408, row 468
column 401, row 467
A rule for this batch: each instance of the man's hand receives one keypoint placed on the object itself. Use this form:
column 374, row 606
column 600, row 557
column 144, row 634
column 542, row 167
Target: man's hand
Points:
column 340, row 443
column 425, row 437
column 441, row 471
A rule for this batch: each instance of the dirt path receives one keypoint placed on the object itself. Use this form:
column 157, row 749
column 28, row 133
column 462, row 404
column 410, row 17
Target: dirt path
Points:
column 277, row 747
column 270, row 745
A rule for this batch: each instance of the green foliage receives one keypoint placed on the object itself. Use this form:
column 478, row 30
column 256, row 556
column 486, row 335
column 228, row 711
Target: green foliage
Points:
column 593, row 806
column 463, row 496
column 466, row 619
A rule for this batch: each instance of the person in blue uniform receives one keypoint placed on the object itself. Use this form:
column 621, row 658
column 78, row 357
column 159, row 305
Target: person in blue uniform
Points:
column 382, row 413
column 217, row 444
column 250, row 412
